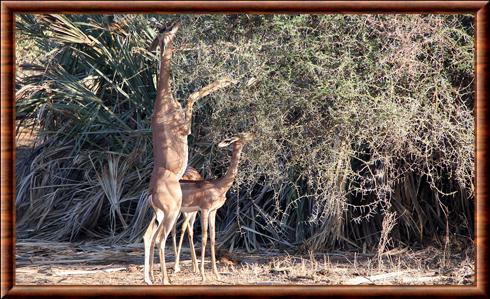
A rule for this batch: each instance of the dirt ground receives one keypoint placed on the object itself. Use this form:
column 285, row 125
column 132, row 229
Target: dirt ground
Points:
column 44, row 263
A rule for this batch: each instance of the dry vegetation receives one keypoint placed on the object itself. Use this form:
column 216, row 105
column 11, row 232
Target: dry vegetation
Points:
column 364, row 122
column 95, row 264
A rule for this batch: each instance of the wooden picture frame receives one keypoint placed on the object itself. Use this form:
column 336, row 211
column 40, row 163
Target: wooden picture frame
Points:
column 10, row 8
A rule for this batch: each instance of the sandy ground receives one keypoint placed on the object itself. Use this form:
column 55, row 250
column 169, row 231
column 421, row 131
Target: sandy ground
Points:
column 41, row 263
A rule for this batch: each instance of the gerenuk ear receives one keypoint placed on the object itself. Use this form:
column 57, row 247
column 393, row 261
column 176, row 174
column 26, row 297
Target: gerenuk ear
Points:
column 228, row 141
column 154, row 43
column 173, row 27
column 169, row 31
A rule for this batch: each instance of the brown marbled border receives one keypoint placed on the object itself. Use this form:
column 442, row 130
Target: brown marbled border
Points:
column 9, row 8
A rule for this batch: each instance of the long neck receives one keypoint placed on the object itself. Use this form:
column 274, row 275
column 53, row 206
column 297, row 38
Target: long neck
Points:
column 224, row 183
column 163, row 82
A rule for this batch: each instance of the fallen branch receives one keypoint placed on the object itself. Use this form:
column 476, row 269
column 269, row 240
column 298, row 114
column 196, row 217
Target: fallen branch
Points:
column 83, row 272
column 372, row 279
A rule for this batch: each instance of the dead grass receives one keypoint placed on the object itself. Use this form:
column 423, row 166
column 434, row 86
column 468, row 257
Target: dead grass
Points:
column 41, row 263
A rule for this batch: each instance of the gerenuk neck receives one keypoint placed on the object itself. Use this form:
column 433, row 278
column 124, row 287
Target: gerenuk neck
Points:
column 170, row 149
column 224, row 183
